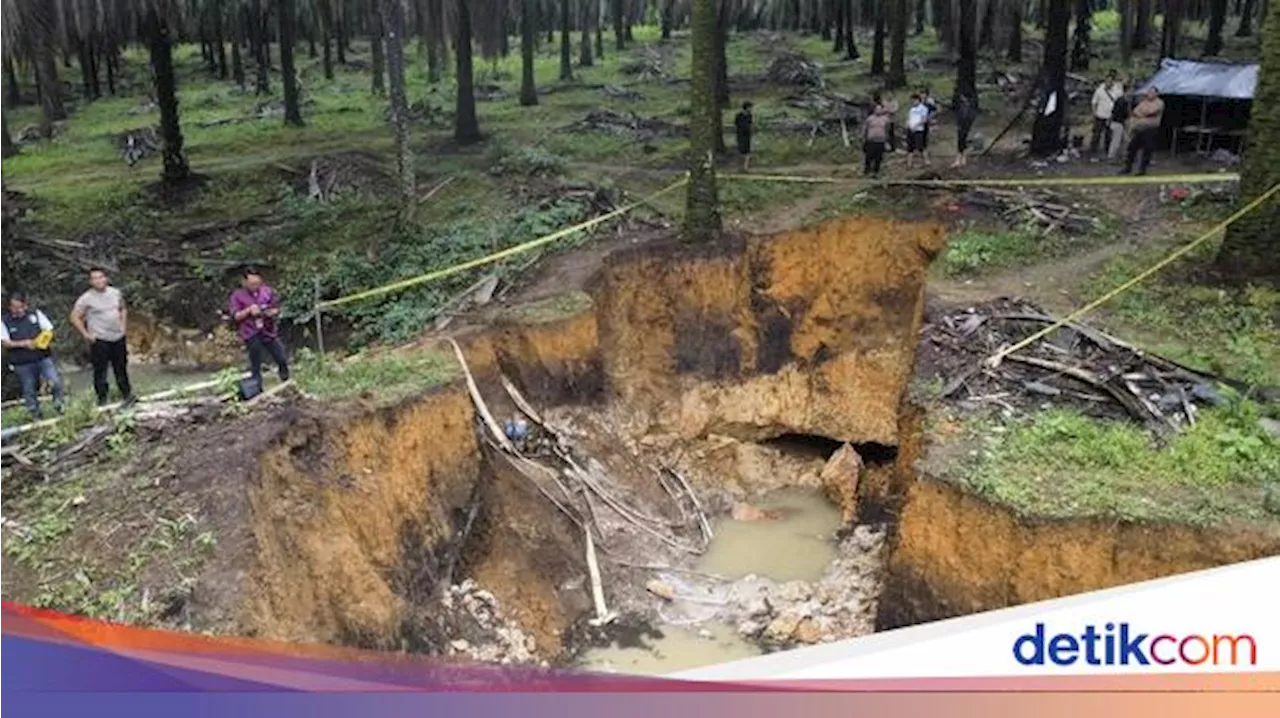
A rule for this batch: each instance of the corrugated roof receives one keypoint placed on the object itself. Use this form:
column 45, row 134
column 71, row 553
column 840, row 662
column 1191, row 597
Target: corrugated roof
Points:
column 1204, row 79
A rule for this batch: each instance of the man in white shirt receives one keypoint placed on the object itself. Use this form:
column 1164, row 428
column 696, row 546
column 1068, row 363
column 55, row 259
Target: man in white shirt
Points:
column 917, row 121
column 101, row 317
column 1104, row 100
column 26, row 335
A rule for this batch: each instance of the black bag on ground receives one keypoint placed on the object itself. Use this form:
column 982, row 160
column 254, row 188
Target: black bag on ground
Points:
column 250, row 388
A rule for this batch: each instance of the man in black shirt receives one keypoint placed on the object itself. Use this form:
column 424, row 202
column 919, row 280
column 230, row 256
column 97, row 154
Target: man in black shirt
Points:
column 743, row 124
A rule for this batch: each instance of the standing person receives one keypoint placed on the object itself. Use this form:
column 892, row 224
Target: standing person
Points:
column 1104, row 100
column 931, row 108
column 875, row 134
column 1144, row 130
column 743, row 123
column 101, row 318
column 886, row 100
column 917, row 124
column 966, row 110
column 255, row 307
column 27, row 334
column 1119, row 115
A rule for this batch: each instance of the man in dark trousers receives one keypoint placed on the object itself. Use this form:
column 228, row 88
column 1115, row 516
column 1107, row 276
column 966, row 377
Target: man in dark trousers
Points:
column 26, row 335
column 101, row 318
column 1144, row 130
column 742, row 123
column 875, row 137
column 255, row 307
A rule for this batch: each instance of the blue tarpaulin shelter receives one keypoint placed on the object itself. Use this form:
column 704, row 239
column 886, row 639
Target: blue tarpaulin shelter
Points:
column 1189, row 78
column 1209, row 101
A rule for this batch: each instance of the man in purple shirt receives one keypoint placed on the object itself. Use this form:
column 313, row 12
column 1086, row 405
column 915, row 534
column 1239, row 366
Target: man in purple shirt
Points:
column 254, row 307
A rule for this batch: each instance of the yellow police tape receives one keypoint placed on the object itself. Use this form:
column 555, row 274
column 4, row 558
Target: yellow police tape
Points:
column 496, row 256
column 1217, row 229
column 1203, row 178
column 560, row 234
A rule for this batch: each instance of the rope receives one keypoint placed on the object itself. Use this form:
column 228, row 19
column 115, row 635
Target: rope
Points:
column 994, row 359
column 496, row 256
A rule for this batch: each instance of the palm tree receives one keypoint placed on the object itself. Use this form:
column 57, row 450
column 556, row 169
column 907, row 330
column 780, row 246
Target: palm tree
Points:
column 1082, row 47
column 967, row 67
column 1246, row 19
column 585, row 56
column 466, row 128
column 528, row 90
column 1046, row 134
column 566, row 43
column 9, row 37
column 376, row 49
column 877, row 48
column 159, row 16
column 392, row 15
column 702, row 210
column 897, row 55
column 39, row 17
column 289, row 78
column 1251, row 249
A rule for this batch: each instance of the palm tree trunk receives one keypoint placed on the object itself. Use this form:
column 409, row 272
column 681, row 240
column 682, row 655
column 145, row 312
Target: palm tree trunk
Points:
column 566, row 42
column 528, row 34
column 1246, row 19
column 42, row 22
column 8, row 149
column 850, row 43
column 722, row 72
column 237, row 64
column 12, row 90
column 1082, row 47
column 595, row 25
column 1046, row 134
column 1015, row 31
column 326, row 38
column 967, row 66
column 838, row 42
column 392, row 27
column 668, row 10
column 466, row 128
column 877, row 49
column 219, row 20
column 288, row 77
column 1142, row 25
column 261, row 53
column 1171, row 29
column 1251, row 250
column 441, row 55
column 1217, row 19
column 1125, row 9
column 340, row 32
column 702, row 205
column 921, row 6
column 160, row 45
column 376, row 33
column 585, row 56
column 619, row 36
column 898, row 45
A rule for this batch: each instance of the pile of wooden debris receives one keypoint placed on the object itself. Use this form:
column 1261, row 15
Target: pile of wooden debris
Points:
column 625, row 123
column 1075, row 365
column 1038, row 209
column 792, row 69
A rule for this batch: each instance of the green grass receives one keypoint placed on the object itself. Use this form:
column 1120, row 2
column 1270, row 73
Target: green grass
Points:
column 1059, row 463
column 560, row 306
column 972, row 251
column 386, row 376
column 1229, row 331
